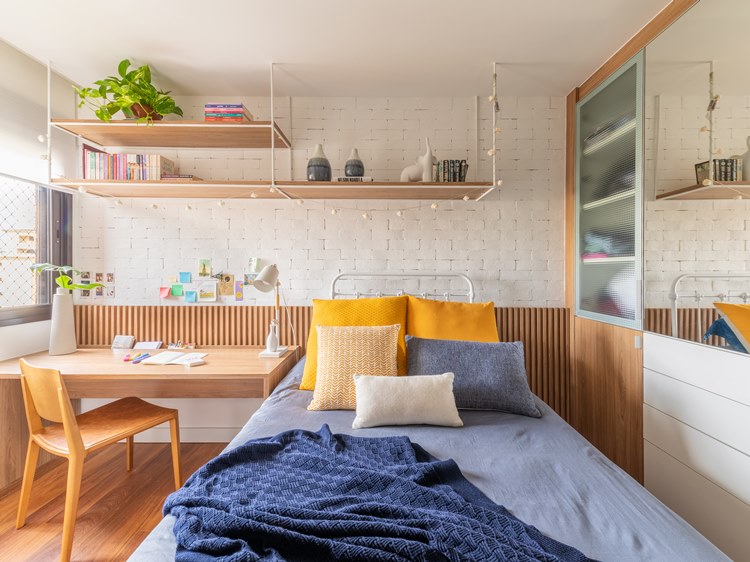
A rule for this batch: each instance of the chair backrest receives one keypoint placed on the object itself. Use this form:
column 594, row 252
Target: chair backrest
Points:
column 45, row 397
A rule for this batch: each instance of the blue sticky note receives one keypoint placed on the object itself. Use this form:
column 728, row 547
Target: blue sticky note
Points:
column 185, row 277
column 191, row 296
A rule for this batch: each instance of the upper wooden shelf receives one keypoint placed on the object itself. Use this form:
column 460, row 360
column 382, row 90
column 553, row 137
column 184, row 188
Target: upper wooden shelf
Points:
column 294, row 189
column 719, row 190
column 177, row 134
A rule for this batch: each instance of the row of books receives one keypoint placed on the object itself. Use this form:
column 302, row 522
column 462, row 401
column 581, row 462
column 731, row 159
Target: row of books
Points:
column 725, row 169
column 100, row 165
column 451, row 170
column 227, row 113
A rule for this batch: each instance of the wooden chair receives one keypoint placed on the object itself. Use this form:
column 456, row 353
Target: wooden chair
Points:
column 73, row 437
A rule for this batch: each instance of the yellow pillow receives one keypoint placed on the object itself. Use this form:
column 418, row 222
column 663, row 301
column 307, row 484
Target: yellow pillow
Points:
column 383, row 311
column 441, row 320
column 345, row 351
column 737, row 317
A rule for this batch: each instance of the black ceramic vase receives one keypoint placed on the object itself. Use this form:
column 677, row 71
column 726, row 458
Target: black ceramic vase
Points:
column 354, row 168
column 318, row 167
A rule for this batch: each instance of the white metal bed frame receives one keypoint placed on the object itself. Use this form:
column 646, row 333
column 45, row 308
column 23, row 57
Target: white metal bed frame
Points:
column 698, row 296
column 467, row 293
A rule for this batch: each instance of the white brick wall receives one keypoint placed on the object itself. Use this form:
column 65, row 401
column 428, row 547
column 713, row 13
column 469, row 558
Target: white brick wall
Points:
column 692, row 236
column 511, row 244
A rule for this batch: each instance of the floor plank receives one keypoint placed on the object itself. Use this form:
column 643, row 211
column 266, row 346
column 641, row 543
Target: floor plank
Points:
column 116, row 510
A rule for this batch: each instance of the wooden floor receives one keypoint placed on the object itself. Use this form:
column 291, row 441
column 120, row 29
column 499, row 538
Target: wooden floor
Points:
column 117, row 508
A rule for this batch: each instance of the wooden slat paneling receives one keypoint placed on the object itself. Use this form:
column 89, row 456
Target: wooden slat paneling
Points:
column 544, row 332
column 659, row 321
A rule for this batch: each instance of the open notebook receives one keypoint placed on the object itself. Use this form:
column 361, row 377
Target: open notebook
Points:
column 175, row 358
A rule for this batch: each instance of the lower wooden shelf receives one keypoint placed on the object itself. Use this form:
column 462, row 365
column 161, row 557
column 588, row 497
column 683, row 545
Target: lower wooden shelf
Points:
column 719, row 190
column 283, row 189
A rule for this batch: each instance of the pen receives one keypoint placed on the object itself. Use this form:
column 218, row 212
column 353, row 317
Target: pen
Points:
column 141, row 358
column 126, row 358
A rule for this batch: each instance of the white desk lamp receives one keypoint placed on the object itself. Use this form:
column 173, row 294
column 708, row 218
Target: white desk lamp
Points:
column 267, row 281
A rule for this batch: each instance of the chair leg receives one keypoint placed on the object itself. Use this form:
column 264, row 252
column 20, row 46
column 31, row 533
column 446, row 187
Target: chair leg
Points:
column 174, row 432
column 129, row 453
column 75, row 472
column 32, row 454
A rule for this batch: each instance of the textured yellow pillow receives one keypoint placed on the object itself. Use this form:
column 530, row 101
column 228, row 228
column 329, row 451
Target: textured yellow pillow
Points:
column 441, row 320
column 737, row 317
column 384, row 311
column 345, row 351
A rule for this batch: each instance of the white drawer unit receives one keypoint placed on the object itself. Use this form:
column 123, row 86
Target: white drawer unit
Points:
column 696, row 432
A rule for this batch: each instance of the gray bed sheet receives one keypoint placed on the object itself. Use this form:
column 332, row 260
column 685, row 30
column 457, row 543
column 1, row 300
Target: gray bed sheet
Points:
column 542, row 470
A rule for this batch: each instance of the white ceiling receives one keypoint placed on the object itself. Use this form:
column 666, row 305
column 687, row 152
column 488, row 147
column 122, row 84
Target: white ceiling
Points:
column 333, row 47
column 715, row 30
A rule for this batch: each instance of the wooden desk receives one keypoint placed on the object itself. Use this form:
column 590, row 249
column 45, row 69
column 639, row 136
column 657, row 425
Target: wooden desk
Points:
column 102, row 373
column 235, row 372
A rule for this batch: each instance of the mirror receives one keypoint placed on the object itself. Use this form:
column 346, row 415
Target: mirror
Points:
column 697, row 207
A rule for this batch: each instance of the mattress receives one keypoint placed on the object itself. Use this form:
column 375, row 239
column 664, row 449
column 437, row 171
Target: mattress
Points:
column 542, row 470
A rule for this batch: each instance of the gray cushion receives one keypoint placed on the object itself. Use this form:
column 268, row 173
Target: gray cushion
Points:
column 488, row 376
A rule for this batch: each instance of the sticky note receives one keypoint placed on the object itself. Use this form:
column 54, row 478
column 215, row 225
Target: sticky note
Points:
column 164, row 292
column 173, row 279
column 239, row 292
column 185, row 277
column 191, row 296
column 177, row 290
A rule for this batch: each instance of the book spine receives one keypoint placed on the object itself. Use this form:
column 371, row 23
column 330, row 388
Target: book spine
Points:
column 224, row 105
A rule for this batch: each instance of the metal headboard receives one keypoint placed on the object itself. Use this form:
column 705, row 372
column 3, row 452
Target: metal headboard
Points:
column 467, row 293
column 698, row 296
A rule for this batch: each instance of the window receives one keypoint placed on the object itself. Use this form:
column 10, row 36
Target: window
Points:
column 34, row 227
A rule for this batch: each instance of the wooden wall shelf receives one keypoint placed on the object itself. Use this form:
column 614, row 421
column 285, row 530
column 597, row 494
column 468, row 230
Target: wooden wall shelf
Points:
column 719, row 190
column 294, row 189
column 175, row 134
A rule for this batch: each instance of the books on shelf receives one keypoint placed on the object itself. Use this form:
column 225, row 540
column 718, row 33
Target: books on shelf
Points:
column 450, row 171
column 725, row 169
column 180, row 177
column 227, row 113
column 100, row 165
column 348, row 179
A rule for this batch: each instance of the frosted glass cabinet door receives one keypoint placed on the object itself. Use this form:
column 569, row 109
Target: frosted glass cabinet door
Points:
column 609, row 145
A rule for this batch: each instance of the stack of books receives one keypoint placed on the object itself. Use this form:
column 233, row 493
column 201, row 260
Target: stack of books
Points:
column 725, row 169
column 100, row 165
column 227, row 113
column 451, row 170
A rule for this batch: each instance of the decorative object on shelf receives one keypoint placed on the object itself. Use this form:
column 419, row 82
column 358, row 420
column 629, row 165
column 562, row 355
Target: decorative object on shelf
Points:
column 130, row 92
column 422, row 170
column 724, row 169
column 318, row 167
column 62, row 335
column 354, row 167
column 227, row 113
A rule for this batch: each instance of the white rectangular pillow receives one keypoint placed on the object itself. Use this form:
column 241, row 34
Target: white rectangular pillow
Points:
column 405, row 401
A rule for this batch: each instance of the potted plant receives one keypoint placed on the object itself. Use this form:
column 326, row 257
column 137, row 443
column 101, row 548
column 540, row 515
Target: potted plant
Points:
column 62, row 336
column 130, row 92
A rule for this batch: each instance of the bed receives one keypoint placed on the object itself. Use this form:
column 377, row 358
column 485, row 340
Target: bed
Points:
column 541, row 469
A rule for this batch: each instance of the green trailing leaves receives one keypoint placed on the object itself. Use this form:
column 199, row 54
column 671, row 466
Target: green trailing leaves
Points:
column 120, row 93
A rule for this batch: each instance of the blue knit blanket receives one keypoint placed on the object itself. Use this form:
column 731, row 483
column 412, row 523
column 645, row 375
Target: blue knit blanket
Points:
column 302, row 495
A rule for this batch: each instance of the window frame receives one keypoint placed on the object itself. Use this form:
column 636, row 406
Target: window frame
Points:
column 56, row 236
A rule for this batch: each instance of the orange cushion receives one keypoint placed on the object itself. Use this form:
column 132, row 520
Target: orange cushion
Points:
column 441, row 320
column 383, row 311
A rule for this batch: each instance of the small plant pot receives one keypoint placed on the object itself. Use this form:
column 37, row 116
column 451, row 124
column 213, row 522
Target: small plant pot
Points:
column 140, row 111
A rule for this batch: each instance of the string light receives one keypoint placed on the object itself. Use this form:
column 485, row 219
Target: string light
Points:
column 153, row 206
column 434, row 206
column 466, row 197
column 221, row 203
column 365, row 215
column 81, row 189
column 498, row 130
column 300, row 202
column 253, row 195
column 491, row 152
column 188, row 207
column 118, row 202
column 499, row 183
column 272, row 190
column 334, row 211
column 399, row 213
column 491, row 98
